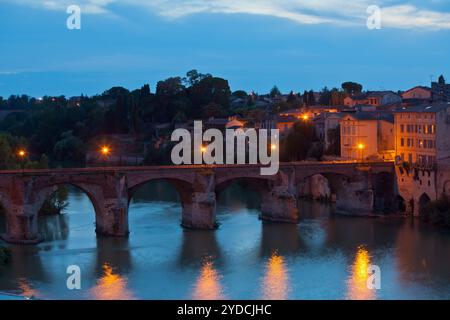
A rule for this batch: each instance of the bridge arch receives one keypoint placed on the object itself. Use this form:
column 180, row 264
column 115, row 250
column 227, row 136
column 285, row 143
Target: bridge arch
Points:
column 183, row 189
column 424, row 201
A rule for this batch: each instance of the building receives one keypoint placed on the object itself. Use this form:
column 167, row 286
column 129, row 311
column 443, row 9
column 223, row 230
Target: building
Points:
column 440, row 92
column 419, row 92
column 284, row 124
column 325, row 122
column 423, row 134
column 422, row 145
column 373, row 98
column 367, row 135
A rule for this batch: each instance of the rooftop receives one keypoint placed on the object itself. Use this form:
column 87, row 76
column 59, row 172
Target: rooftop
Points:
column 428, row 107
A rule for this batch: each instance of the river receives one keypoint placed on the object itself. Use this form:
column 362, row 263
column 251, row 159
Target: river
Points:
column 325, row 256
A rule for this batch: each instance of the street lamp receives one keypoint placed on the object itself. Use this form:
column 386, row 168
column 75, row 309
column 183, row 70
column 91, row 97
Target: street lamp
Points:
column 361, row 148
column 22, row 154
column 105, row 151
column 305, row 117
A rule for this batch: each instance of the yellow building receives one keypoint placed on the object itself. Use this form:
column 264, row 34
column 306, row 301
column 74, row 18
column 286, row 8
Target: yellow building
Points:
column 367, row 135
column 422, row 134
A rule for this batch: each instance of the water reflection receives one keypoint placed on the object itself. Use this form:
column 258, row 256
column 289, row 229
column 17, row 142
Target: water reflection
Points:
column 282, row 238
column 25, row 266
column 198, row 245
column 419, row 254
column 54, row 227
column 357, row 282
column 207, row 286
column 112, row 286
column 275, row 284
column 25, row 288
column 114, row 252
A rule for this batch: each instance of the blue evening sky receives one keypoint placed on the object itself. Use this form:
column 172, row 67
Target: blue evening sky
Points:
column 255, row 44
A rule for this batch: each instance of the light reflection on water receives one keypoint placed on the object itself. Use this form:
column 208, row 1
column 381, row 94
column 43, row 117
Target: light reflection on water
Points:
column 207, row 286
column 324, row 257
column 111, row 286
column 357, row 282
column 275, row 284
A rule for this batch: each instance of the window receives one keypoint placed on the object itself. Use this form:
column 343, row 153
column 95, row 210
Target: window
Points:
column 402, row 142
column 402, row 128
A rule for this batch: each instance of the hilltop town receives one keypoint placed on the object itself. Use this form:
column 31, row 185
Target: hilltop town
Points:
column 120, row 127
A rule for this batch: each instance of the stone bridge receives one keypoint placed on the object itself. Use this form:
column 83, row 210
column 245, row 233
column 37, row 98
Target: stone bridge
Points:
column 357, row 187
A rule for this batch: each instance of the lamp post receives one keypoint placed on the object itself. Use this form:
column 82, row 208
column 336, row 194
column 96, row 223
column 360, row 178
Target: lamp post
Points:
column 361, row 148
column 22, row 154
column 105, row 151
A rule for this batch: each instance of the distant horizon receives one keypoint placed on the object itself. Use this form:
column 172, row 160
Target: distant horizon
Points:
column 92, row 92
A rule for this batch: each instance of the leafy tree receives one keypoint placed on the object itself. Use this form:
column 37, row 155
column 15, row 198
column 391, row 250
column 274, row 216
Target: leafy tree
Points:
column 193, row 77
column 334, row 138
column 69, row 149
column 296, row 145
column 56, row 203
column 212, row 110
column 209, row 90
column 240, row 94
column 352, row 88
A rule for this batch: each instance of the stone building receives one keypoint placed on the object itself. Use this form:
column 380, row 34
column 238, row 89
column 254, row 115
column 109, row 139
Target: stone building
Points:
column 418, row 92
column 422, row 142
column 422, row 134
column 367, row 135
column 373, row 98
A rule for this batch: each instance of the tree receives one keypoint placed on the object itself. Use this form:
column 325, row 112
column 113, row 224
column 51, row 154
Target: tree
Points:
column 296, row 145
column 211, row 110
column 56, row 203
column 209, row 90
column 275, row 92
column 352, row 88
column 441, row 79
column 69, row 149
column 193, row 77
column 240, row 94
column 6, row 152
column 334, row 139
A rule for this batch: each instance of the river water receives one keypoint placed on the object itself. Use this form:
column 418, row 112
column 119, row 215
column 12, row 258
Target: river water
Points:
column 325, row 256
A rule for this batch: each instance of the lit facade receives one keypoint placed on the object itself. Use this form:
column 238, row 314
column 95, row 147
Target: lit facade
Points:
column 367, row 135
column 422, row 134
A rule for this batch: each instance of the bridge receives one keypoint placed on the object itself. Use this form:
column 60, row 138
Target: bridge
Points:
column 357, row 187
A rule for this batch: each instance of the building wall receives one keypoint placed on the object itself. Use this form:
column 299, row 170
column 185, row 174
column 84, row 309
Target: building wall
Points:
column 355, row 132
column 443, row 134
column 386, row 140
column 417, row 93
column 416, row 137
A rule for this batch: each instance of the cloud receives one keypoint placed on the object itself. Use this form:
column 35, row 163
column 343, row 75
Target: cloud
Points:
column 332, row 12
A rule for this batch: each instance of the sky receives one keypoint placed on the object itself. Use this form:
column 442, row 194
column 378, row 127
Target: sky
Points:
column 255, row 44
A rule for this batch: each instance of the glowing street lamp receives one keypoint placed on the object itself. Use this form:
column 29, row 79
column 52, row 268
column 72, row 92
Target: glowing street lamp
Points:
column 22, row 154
column 361, row 148
column 203, row 149
column 305, row 117
column 105, row 151
column 273, row 146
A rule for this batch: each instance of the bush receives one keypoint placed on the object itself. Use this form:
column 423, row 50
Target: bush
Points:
column 5, row 255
